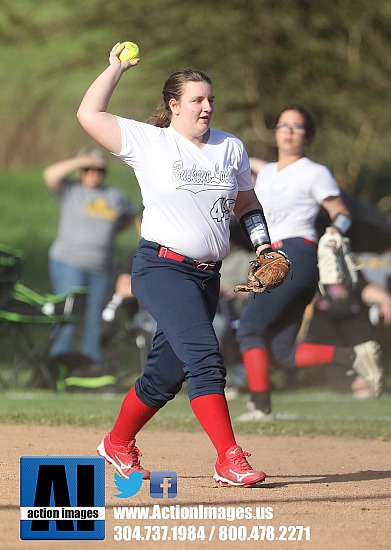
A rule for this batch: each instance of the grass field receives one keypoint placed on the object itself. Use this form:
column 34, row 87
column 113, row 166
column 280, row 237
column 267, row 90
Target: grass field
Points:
column 300, row 412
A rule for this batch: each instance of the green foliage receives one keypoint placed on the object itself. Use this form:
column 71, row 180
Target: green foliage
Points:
column 261, row 54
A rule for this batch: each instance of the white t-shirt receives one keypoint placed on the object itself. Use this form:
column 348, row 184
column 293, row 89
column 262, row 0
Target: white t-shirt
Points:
column 188, row 193
column 291, row 197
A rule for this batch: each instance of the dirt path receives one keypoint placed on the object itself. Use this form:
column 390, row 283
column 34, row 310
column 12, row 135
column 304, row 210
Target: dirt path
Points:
column 341, row 489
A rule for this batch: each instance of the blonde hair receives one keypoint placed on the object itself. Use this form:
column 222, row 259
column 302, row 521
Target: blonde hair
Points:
column 173, row 89
column 92, row 151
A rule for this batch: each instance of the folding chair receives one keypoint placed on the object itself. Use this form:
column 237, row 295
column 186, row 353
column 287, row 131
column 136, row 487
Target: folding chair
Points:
column 130, row 324
column 21, row 310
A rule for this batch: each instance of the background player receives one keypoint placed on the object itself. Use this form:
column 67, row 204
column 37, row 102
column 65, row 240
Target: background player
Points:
column 291, row 191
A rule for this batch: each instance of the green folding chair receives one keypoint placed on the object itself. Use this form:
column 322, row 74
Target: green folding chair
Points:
column 21, row 311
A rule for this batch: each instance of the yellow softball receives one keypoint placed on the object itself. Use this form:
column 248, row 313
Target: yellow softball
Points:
column 130, row 51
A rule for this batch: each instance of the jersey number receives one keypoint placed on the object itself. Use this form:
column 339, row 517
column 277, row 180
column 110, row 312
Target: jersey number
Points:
column 221, row 209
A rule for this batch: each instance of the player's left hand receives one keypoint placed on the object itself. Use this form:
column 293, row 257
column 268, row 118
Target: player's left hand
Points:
column 267, row 272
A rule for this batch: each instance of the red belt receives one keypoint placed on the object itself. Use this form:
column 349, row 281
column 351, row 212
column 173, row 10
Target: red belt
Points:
column 164, row 252
column 280, row 244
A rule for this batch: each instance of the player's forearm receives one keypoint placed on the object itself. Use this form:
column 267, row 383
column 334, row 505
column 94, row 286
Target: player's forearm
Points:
column 98, row 95
column 374, row 294
column 92, row 115
column 248, row 210
column 57, row 172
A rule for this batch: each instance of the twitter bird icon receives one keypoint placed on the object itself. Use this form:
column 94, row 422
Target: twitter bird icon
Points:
column 128, row 487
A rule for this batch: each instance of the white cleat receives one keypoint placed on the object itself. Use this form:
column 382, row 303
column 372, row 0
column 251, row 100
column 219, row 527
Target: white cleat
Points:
column 255, row 415
column 366, row 364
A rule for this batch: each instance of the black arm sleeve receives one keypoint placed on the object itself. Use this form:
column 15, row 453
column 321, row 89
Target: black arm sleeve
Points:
column 254, row 226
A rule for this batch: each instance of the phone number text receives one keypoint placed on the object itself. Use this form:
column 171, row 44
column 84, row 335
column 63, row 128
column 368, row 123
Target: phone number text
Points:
column 214, row 532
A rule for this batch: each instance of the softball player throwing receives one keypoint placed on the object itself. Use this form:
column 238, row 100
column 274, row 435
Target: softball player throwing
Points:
column 192, row 178
column 292, row 191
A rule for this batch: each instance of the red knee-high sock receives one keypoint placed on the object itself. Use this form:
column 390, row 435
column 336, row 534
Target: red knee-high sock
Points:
column 213, row 415
column 308, row 355
column 256, row 363
column 133, row 415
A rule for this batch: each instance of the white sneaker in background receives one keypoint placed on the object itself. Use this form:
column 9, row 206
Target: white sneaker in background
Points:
column 367, row 365
column 255, row 415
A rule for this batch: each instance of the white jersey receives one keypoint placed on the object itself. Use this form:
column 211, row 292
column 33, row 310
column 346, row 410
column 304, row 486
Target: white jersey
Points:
column 188, row 193
column 291, row 197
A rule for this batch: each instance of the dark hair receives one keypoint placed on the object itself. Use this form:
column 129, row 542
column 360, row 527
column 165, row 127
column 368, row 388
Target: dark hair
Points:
column 173, row 89
column 308, row 120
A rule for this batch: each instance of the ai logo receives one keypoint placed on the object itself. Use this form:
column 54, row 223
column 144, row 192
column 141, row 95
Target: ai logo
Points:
column 62, row 498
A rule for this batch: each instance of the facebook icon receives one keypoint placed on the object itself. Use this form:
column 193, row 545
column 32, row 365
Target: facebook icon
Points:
column 163, row 484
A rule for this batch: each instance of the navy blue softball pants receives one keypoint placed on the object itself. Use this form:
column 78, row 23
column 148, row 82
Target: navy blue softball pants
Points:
column 183, row 300
column 272, row 320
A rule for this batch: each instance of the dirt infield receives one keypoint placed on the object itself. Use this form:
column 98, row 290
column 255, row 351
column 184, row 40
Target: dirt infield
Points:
column 341, row 489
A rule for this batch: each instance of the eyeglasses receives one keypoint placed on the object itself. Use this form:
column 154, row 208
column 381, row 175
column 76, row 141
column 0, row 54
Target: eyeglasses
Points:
column 93, row 169
column 295, row 128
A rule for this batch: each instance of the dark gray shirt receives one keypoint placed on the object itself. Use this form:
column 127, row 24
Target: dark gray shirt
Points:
column 88, row 224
